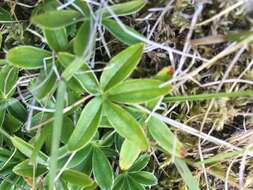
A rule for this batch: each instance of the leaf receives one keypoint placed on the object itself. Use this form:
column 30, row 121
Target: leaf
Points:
column 79, row 157
column 18, row 57
column 12, row 124
column 26, row 169
column 16, row 108
column 134, row 184
column 83, row 42
column 77, row 178
column 57, row 39
column 84, row 76
column 143, row 177
column 5, row 16
column 44, row 85
column 82, row 5
column 86, row 126
column 8, row 80
column 165, row 138
column 137, row 91
column 123, row 9
column 57, row 19
column 140, row 163
column 27, row 149
column 128, row 154
column 102, row 169
column 121, row 66
column 126, row 125
column 118, row 32
column 186, row 174
column 119, row 183
column 239, row 36
column 72, row 68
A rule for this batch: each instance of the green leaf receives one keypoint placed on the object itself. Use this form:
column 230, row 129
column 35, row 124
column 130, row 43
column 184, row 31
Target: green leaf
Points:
column 83, row 42
column 121, row 66
column 133, row 184
column 126, row 125
column 84, row 76
column 102, row 169
column 128, row 154
column 8, row 80
column 79, row 157
column 5, row 16
column 27, row 149
column 137, row 91
column 12, row 124
column 18, row 57
column 73, row 68
column 82, row 5
column 77, row 178
column 26, row 169
column 165, row 138
column 57, row 19
column 116, row 30
column 16, row 108
column 44, row 85
column 238, row 36
column 86, row 126
column 186, row 174
column 57, row 39
column 140, row 163
column 123, row 9
column 121, row 182
column 143, row 177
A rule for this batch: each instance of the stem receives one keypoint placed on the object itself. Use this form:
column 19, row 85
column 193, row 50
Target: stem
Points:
column 208, row 96
column 57, row 125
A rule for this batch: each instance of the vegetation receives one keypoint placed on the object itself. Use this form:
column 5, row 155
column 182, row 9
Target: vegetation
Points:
column 94, row 96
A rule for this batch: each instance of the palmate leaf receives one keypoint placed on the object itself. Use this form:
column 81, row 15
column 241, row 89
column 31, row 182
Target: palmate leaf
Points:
column 87, row 125
column 27, row 57
column 116, row 30
column 123, row 9
column 57, row 19
column 137, row 91
column 102, row 169
column 121, row 66
column 126, row 125
column 128, row 154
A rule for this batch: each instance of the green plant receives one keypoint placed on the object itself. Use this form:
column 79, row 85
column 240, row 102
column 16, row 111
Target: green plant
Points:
column 76, row 126
column 67, row 72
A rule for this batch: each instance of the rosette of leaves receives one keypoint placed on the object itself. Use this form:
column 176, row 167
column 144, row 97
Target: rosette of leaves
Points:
column 68, row 139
